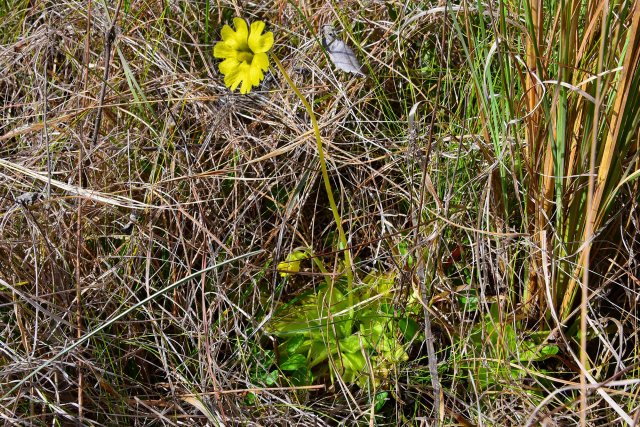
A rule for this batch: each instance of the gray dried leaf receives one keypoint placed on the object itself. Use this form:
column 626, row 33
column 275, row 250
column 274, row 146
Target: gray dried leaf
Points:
column 342, row 55
column 128, row 227
column 27, row 199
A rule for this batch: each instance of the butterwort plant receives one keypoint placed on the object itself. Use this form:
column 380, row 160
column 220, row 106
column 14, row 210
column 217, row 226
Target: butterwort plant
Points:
column 245, row 54
column 244, row 51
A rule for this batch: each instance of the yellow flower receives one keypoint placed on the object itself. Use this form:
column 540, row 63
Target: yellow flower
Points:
column 292, row 263
column 245, row 54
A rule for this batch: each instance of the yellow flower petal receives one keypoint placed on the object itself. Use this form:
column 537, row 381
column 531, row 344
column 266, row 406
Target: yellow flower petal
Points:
column 236, row 39
column 233, row 78
column 259, row 43
column 256, row 28
column 224, row 50
column 256, row 76
column 245, row 77
column 261, row 61
column 228, row 66
column 229, row 36
column 246, row 87
column 288, row 267
column 242, row 32
column 292, row 263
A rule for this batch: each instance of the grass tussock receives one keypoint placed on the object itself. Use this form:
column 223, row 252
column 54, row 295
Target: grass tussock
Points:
column 170, row 253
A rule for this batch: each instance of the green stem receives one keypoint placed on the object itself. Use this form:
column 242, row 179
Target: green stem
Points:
column 327, row 184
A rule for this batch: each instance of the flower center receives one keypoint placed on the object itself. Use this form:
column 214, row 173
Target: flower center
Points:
column 245, row 55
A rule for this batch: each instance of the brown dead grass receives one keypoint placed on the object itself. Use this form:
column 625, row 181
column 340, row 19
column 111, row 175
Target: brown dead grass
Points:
column 183, row 174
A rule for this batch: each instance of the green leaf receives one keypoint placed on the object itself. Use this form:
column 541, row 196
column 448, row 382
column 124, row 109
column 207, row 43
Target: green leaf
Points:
column 294, row 362
column 302, row 376
column 250, row 398
column 380, row 400
column 271, row 378
column 386, row 308
column 350, row 366
column 535, row 353
column 510, row 338
column 373, row 329
column 354, row 362
column 403, row 248
column 350, row 344
column 294, row 343
column 470, row 302
column 319, row 352
column 491, row 375
column 408, row 327
column 549, row 350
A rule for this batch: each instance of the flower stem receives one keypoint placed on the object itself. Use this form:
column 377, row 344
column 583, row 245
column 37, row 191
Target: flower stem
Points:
column 327, row 184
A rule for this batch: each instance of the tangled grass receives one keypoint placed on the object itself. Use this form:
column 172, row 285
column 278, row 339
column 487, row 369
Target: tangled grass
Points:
column 144, row 209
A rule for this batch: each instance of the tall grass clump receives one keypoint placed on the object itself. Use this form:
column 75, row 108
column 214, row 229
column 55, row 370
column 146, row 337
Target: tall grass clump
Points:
column 555, row 90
